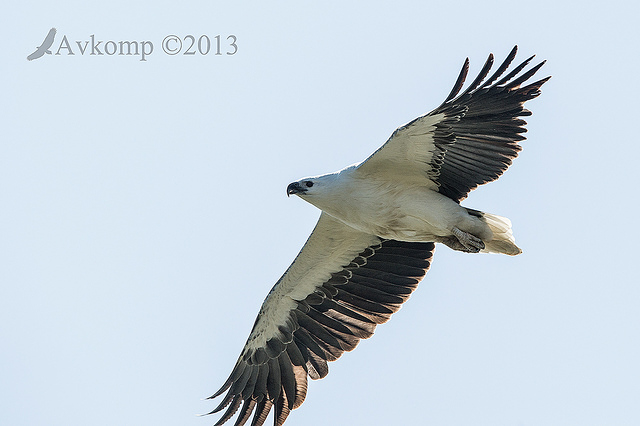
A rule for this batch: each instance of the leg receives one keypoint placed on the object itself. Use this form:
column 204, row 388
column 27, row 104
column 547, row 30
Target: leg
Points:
column 469, row 243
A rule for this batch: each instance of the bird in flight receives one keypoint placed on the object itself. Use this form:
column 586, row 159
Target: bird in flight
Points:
column 376, row 236
column 44, row 47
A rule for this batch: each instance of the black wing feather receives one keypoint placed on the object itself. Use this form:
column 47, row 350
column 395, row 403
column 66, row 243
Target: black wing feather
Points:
column 327, row 323
column 478, row 137
column 245, row 412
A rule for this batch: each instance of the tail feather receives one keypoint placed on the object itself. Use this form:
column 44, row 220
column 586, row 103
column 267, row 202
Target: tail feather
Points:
column 503, row 240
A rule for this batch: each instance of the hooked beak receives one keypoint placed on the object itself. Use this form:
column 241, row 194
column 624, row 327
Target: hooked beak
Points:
column 295, row 188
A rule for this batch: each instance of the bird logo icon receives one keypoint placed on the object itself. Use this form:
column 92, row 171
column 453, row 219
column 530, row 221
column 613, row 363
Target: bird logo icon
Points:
column 44, row 47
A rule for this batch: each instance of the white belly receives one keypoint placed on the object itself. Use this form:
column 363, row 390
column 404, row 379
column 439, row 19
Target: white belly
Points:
column 415, row 214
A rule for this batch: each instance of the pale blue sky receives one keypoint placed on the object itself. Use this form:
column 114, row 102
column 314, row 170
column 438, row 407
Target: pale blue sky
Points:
column 144, row 215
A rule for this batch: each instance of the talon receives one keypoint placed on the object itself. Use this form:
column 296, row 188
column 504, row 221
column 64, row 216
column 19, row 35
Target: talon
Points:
column 471, row 243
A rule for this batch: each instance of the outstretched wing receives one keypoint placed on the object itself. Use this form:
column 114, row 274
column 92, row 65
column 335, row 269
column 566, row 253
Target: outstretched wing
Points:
column 35, row 55
column 48, row 41
column 340, row 286
column 470, row 139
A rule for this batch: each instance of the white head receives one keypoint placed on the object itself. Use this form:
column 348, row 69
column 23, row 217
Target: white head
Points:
column 327, row 192
column 313, row 187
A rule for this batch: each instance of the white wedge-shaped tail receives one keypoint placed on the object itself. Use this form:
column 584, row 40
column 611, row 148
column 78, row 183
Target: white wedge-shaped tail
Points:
column 503, row 240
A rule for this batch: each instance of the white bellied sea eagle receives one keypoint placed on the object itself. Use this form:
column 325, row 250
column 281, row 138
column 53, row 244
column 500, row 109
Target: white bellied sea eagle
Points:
column 376, row 235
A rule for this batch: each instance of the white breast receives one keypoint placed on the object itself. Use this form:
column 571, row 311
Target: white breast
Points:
column 392, row 210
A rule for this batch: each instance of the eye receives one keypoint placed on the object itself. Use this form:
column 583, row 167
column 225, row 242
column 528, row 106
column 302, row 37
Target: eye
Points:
column 309, row 184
